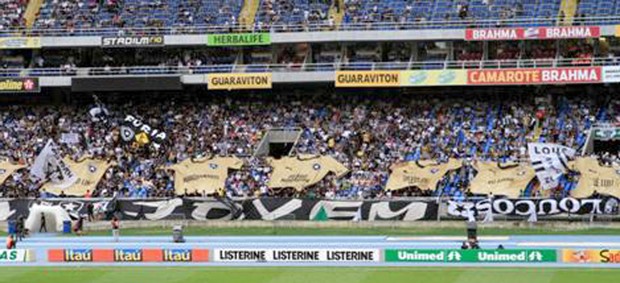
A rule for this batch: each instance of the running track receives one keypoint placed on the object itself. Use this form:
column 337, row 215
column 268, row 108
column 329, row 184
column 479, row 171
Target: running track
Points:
column 42, row 243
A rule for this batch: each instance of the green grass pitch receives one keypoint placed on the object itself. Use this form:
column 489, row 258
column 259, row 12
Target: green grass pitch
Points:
column 305, row 275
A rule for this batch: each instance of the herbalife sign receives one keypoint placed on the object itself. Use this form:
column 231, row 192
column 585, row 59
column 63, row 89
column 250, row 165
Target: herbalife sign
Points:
column 480, row 256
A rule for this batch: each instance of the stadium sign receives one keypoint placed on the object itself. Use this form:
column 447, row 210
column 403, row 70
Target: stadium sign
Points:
column 611, row 74
column 564, row 32
column 238, row 39
column 20, row 42
column 470, row 256
column 434, row 78
column 368, row 78
column 128, row 255
column 296, row 255
column 528, row 76
column 230, row 81
column 19, row 85
column 132, row 41
column 591, row 256
column 13, row 255
column 606, row 134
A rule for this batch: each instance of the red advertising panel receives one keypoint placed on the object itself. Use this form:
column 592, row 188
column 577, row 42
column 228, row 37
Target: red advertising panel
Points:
column 568, row 32
column 532, row 33
column 128, row 255
column 494, row 34
column 534, row 76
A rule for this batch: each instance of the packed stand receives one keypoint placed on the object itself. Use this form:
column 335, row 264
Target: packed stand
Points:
column 12, row 14
column 293, row 15
column 365, row 134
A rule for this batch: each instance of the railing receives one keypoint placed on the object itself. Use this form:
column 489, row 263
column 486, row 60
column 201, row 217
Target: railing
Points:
column 209, row 29
column 315, row 67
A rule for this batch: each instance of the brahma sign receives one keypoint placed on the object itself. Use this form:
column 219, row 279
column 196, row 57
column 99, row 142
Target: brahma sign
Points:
column 577, row 75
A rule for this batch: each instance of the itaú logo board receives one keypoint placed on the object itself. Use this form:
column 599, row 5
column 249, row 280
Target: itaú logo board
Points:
column 124, row 255
column 178, row 255
column 78, row 255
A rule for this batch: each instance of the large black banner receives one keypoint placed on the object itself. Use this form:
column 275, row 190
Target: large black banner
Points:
column 533, row 207
column 308, row 209
column 252, row 209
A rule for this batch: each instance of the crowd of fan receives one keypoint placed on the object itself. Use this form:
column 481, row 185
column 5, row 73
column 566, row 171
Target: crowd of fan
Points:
column 365, row 134
column 11, row 13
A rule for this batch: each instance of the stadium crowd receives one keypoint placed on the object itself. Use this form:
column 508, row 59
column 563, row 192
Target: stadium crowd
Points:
column 366, row 135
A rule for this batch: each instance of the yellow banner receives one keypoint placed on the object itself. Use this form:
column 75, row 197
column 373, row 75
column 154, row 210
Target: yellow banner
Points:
column 230, row 81
column 20, row 42
column 507, row 182
column 368, row 78
column 617, row 31
column 88, row 171
column 434, row 77
column 303, row 171
column 590, row 256
column 208, row 175
column 7, row 168
column 409, row 174
column 594, row 177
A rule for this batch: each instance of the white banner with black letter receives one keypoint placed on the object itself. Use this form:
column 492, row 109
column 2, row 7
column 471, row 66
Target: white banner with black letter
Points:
column 49, row 165
column 296, row 255
column 549, row 161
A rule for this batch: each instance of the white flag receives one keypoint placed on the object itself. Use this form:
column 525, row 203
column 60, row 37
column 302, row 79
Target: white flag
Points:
column 549, row 161
column 49, row 165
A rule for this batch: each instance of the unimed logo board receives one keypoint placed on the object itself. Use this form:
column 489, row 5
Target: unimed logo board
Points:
column 296, row 255
column 12, row 255
column 477, row 256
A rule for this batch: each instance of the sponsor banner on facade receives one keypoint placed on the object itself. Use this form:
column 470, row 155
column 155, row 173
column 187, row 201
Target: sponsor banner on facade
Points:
column 529, row 207
column 230, row 81
column 434, row 77
column 477, row 256
column 20, row 42
column 19, row 85
column 591, row 256
column 16, row 255
column 132, row 41
column 128, row 255
column 611, row 74
column 238, row 39
column 560, row 32
column 296, row 255
column 368, row 78
column 530, row 76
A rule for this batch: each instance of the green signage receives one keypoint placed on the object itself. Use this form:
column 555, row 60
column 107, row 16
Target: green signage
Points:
column 238, row 39
column 480, row 256
column 607, row 134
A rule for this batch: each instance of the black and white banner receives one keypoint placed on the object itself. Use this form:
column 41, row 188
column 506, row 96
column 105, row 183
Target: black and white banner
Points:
column 49, row 165
column 136, row 130
column 255, row 209
column 549, row 161
column 533, row 207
